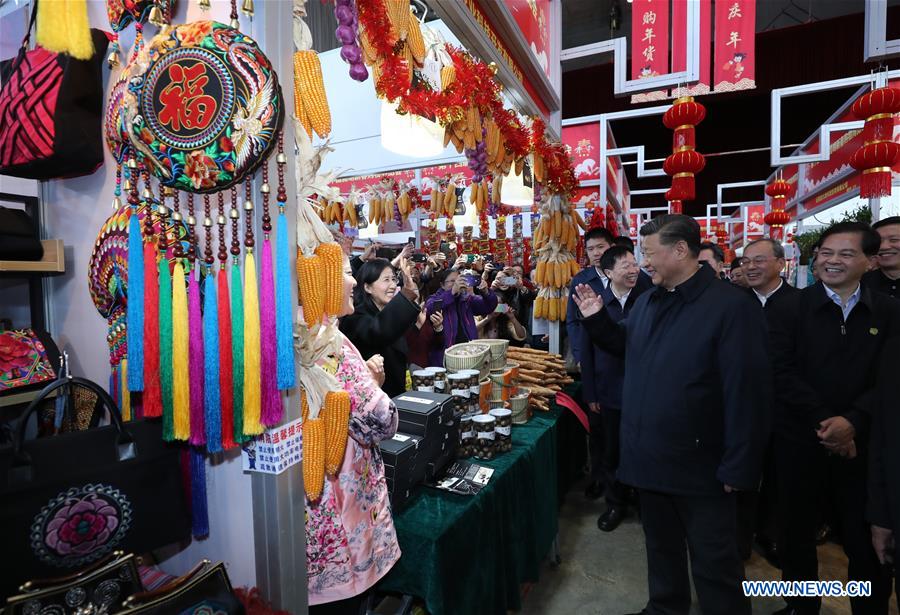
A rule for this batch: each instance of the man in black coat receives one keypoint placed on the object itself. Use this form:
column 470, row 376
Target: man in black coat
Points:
column 827, row 342
column 695, row 415
column 886, row 278
column 884, row 464
column 762, row 263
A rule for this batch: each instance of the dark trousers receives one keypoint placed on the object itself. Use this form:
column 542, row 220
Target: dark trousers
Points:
column 805, row 471
column 747, row 503
column 615, row 491
column 767, row 509
column 703, row 526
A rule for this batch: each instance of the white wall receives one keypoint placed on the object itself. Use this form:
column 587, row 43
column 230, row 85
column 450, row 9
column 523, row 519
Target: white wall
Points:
column 75, row 210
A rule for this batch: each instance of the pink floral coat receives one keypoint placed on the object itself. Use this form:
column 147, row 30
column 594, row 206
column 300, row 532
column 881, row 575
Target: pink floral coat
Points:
column 350, row 537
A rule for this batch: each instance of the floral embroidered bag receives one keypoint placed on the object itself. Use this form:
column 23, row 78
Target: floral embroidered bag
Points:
column 71, row 499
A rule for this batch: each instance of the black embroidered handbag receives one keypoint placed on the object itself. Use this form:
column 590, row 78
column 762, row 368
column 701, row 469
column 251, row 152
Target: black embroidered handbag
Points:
column 68, row 500
column 204, row 590
column 99, row 588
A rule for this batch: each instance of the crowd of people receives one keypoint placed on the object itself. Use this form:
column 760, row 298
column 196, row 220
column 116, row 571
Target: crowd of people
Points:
column 728, row 409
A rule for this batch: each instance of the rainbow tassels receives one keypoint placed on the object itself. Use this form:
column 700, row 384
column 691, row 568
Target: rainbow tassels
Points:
column 283, row 325
column 212, row 402
column 135, row 304
column 226, row 369
column 165, row 349
column 252, row 399
column 152, row 398
column 180, row 356
column 271, row 409
column 237, row 350
column 195, row 355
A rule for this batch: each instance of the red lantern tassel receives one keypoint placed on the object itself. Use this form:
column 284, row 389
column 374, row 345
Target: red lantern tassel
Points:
column 226, row 376
column 152, row 398
column 676, row 207
column 875, row 183
column 683, row 187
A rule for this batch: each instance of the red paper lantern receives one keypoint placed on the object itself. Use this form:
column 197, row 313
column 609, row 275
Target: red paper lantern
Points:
column 685, row 162
column 879, row 152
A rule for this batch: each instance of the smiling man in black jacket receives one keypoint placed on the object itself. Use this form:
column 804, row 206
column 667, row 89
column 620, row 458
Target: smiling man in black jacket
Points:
column 827, row 341
column 695, row 415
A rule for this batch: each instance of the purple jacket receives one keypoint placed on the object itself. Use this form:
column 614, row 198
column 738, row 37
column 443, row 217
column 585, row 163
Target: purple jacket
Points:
column 464, row 306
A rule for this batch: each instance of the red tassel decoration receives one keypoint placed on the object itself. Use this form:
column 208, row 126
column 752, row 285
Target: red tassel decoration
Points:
column 226, row 376
column 879, row 151
column 152, row 398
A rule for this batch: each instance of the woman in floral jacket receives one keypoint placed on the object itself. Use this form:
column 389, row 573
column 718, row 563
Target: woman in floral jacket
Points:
column 350, row 537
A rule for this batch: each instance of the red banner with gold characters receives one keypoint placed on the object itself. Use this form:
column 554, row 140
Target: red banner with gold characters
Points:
column 649, row 44
column 679, row 49
column 735, row 62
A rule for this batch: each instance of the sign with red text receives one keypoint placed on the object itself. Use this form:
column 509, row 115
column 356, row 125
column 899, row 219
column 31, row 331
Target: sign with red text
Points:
column 679, row 49
column 649, row 44
column 735, row 57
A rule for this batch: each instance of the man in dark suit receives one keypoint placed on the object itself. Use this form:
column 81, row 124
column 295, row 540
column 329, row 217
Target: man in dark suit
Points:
column 605, row 387
column 886, row 278
column 884, row 466
column 695, row 415
column 763, row 263
column 827, row 342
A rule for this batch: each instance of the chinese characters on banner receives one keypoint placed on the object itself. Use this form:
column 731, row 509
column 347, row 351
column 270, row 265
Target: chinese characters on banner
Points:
column 679, row 49
column 735, row 45
column 533, row 19
column 649, row 44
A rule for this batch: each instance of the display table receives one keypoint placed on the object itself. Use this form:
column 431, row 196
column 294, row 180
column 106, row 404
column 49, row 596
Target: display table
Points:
column 471, row 554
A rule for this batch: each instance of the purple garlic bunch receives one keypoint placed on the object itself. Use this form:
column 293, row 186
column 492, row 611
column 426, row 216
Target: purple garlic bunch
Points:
column 478, row 161
column 347, row 33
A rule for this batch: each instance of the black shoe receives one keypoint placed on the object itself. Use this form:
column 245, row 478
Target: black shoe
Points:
column 611, row 519
column 769, row 549
column 823, row 534
column 594, row 490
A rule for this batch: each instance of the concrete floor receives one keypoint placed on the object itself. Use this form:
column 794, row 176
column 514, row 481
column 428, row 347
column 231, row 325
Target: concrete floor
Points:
column 606, row 573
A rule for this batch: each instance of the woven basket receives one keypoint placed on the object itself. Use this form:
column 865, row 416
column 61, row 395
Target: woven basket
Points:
column 519, row 406
column 498, row 352
column 466, row 356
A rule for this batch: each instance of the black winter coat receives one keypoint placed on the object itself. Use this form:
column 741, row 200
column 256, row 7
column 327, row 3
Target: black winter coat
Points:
column 384, row 333
column 697, row 398
column 825, row 366
column 884, row 454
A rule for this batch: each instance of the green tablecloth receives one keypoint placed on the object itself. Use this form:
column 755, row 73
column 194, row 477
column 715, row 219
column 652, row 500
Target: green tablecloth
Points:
column 470, row 554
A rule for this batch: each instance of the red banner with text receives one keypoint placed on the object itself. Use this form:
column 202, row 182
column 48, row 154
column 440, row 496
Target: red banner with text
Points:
column 679, row 49
column 533, row 19
column 735, row 60
column 649, row 44
column 754, row 216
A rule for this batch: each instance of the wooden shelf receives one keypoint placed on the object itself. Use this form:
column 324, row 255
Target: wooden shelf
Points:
column 52, row 263
column 14, row 399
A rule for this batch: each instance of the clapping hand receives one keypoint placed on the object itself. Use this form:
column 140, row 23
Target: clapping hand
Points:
column 376, row 368
column 588, row 302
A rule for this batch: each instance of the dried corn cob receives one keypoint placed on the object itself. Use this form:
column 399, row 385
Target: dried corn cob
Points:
column 314, row 458
column 332, row 257
column 415, row 40
column 312, row 288
column 309, row 85
column 337, row 422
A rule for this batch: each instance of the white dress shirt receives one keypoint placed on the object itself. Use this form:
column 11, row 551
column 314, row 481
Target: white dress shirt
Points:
column 851, row 302
column 763, row 298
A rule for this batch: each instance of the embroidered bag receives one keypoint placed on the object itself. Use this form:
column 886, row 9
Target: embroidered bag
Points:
column 205, row 589
column 24, row 360
column 70, row 499
column 50, row 112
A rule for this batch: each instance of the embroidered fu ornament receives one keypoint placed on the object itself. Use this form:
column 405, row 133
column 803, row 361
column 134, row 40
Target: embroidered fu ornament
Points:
column 209, row 107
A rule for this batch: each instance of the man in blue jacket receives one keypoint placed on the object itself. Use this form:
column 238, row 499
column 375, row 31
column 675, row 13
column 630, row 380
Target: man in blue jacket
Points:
column 605, row 388
column 696, row 414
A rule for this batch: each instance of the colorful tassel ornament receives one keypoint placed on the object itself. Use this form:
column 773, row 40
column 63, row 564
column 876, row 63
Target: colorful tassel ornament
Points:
column 237, row 351
column 125, row 406
column 199, row 510
column 283, row 324
column 165, row 349
column 152, row 398
column 226, row 369
column 211, row 398
column 252, row 399
column 180, row 355
column 271, row 409
column 135, row 304
column 195, row 354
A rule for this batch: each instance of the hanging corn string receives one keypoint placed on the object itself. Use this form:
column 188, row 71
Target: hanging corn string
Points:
column 212, row 403
column 151, row 400
column 135, row 304
column 223, row 303
column 252, row 399
column 271, row 409
column 195, row 330
column 283, row 324
column 181, row 398
column 165, row 327
column 237, row 321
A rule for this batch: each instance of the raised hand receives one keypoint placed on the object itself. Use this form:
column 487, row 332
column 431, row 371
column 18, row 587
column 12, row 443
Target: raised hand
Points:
column 588, row 302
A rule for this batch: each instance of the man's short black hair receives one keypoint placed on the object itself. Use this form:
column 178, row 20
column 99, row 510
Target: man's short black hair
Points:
column 624, row 241
column 886, row 222
column 870, row 239
column 717, row 251
column 673, row 228
column 599, row 233
column 612, row 256
column 735, row 264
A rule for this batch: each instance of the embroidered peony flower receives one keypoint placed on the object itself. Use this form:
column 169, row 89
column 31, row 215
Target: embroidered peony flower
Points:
column 13, row 354
column 192, row 34
column 201, row 169
column 82, row 525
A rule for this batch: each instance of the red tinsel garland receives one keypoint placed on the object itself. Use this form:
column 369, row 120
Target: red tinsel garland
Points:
column 474, row 84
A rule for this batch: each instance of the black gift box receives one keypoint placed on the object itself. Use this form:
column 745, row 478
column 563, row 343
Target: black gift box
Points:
column 429, row 415
column 400, row 467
